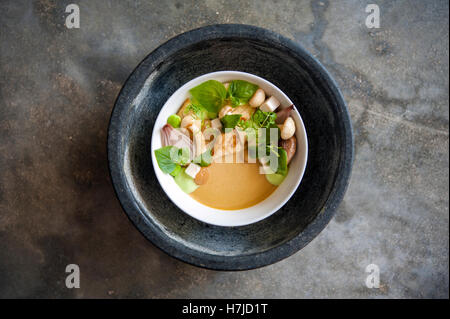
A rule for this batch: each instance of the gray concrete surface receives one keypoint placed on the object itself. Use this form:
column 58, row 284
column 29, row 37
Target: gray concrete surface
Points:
column 57, row 205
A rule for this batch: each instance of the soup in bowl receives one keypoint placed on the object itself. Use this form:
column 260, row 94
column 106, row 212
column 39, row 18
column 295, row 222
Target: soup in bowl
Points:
column 229, row 148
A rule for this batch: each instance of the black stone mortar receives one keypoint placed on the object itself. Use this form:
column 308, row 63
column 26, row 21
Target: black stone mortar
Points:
column 272, row 57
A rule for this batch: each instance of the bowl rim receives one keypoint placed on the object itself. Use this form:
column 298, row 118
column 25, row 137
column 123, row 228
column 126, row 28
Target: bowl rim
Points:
column 216, row 216
column 145, row 225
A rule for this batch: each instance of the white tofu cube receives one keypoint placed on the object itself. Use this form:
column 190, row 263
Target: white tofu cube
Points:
column 264, row 160
column 270, row 104
column 265, row 169
column 192, row 170
column 216, row 123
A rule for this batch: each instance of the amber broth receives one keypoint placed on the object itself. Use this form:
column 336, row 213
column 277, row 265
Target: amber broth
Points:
column 233, row 186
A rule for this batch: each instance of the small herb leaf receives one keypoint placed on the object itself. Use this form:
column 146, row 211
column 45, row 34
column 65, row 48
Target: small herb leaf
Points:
column 264, row 119
column 204, row 159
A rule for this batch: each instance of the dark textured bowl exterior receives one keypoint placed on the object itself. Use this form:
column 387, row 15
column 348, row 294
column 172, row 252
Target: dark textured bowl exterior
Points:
column 296, row 73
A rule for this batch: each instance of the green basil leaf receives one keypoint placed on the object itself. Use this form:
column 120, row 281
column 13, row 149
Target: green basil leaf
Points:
column 278, row 153
column 241, row 91
column 164, row 159
column 182, row 157
column 204, row 159
column 210, row 94
column 169, row 157
column 235, row 101
column 282, row 162
column 198, row 111
column 176, row 171
column 231, row 120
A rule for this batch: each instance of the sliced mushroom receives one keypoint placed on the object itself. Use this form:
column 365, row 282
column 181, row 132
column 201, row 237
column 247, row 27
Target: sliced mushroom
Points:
column 192, row 170
column 288, row 129
column 258, row 98
column 290, row 146
column 175, row 137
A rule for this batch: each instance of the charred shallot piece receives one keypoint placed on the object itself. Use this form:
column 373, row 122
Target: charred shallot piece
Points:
column 174, row 137
column 290, row 146
column 283, row 114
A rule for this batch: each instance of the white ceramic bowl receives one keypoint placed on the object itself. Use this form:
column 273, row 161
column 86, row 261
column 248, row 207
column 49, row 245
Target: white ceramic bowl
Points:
column 242, row 216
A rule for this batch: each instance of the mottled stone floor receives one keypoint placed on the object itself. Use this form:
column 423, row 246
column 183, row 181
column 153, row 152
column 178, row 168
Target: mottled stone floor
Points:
column 57, row 205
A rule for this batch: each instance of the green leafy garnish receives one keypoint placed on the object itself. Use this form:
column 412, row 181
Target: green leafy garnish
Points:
column 169, row 157
column 198, row 111
column 264, row 119
column 165, row 162
column 244, row 124
column 230, row 120
column 240, row 92
column 282, row 162
column 182, row 157
column 210, row 95
column 204, row 159
column 268, row 131
column 185, row 182
column 176, row 171
column 272, row 149
column 277, row 177
column 259, row 119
